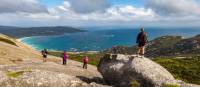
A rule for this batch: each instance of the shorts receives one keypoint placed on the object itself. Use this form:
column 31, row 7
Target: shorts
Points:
column 85, row 62
column 141, row 44
column 44, row 56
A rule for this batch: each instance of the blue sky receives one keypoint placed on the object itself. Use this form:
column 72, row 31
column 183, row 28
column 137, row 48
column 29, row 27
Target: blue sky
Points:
column 126, row 2
column 53, row 3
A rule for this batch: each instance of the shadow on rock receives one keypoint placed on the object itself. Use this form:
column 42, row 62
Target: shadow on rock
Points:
column 97, row 80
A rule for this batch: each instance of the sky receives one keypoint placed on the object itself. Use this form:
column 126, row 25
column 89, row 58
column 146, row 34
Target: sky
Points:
column 32, row 13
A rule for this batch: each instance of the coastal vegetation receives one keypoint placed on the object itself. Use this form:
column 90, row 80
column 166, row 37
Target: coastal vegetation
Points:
column 94, row 58
column 186, row 69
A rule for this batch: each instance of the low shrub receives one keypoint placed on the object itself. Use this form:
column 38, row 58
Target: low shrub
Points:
column 170, row 85
column 135, row 84
column 186, row 69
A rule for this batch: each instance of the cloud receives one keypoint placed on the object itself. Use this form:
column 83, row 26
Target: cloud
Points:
column 65, row 15
column 174, row 7
column 27, row 6
column 114, row 13
column 91, row 13
column 88, row 6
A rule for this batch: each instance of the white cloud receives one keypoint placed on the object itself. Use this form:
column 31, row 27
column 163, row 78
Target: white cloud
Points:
column 156, row 12
column 114, row 13
column 29, row 6
column 66, row 15
column 174, row 7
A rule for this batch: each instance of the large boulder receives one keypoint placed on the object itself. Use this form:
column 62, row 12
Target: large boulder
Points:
column 121, row 70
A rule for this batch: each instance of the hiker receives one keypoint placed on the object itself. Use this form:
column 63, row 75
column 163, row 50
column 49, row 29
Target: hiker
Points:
column 141, row 41
column 65, row 57
column 44, row 53
column 85, row 62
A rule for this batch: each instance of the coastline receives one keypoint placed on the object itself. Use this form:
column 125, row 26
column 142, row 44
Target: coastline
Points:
column 26, row 44
column 37, row 48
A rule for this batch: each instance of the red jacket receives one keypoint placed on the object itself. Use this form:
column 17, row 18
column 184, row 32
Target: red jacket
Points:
column 85, row 59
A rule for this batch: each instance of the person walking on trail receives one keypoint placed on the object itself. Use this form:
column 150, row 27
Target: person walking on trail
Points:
column 65, row 57
column 85, row 62
column 141, row 41
column 44, row 54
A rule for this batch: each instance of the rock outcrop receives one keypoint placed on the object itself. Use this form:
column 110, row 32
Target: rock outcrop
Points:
column 120, row 70
column 41, row 78
column 50, row 74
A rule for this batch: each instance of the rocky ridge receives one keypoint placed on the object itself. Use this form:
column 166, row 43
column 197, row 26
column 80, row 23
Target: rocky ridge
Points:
column 21, row 66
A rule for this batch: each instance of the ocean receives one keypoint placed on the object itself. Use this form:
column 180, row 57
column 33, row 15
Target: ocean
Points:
column 98, row 39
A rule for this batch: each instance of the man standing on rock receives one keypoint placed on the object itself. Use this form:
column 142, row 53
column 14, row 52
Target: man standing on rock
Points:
column 141, row 41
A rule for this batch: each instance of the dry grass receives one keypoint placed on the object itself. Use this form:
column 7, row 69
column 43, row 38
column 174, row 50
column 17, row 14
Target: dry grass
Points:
column 2, row 39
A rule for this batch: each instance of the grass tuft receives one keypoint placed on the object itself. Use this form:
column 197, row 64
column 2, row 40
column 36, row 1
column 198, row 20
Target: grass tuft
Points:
column 7, row 41
column 135, row 84
column 170, row 85
column 16, row 74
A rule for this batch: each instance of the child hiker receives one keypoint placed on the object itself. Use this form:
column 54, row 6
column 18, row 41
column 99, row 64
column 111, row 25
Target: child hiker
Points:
column 65, row 57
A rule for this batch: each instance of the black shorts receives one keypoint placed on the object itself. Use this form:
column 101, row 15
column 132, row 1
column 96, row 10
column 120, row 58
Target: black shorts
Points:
column 44, row 56
column 85, row 63
column 141, row 44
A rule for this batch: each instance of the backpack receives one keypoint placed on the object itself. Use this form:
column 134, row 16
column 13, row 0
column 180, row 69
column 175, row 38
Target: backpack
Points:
column 44, row 53
column 143, row 37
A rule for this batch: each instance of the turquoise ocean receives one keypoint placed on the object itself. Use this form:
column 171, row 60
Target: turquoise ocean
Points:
column 101, row 38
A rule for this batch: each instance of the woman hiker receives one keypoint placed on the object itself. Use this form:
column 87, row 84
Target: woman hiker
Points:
column 141, row 41
column 65, row 57
column 85, row 62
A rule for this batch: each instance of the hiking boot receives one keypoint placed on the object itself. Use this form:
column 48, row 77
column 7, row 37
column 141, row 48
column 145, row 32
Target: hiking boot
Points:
column 137, row 55
column 142, row 56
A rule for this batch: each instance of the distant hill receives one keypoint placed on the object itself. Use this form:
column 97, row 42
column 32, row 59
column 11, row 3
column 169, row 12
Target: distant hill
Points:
column 19, row 32
column 165, row 46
